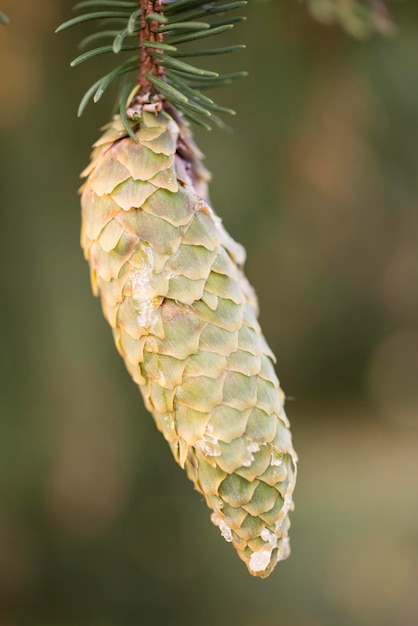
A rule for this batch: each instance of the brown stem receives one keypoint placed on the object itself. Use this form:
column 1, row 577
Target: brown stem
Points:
column 147, row 63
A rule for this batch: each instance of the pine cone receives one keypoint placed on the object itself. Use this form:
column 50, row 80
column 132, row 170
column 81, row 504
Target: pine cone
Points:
column 184, row 319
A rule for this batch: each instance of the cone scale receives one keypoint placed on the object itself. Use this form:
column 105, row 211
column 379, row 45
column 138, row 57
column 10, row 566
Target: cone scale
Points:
column 184, row 319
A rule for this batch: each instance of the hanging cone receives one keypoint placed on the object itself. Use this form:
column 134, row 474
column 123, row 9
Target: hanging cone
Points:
column 184, row 319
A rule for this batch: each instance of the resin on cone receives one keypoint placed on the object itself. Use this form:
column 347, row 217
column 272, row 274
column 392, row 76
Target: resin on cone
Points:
column 184, row 319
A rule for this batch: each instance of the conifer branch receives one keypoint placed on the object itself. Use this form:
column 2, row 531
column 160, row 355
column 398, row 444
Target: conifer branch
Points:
column 155, row 29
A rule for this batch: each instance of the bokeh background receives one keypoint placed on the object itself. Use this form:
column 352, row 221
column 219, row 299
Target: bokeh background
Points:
column 98, row 526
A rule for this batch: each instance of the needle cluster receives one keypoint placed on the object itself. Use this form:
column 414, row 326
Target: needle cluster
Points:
column 152, row 36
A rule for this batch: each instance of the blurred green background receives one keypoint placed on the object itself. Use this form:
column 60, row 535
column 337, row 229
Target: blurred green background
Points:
column 98, row 526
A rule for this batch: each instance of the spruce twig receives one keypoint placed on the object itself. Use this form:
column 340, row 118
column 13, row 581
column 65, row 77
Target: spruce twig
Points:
column 156, row 29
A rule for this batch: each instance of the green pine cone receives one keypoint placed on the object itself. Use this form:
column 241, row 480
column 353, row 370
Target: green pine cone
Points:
column 184, row 318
